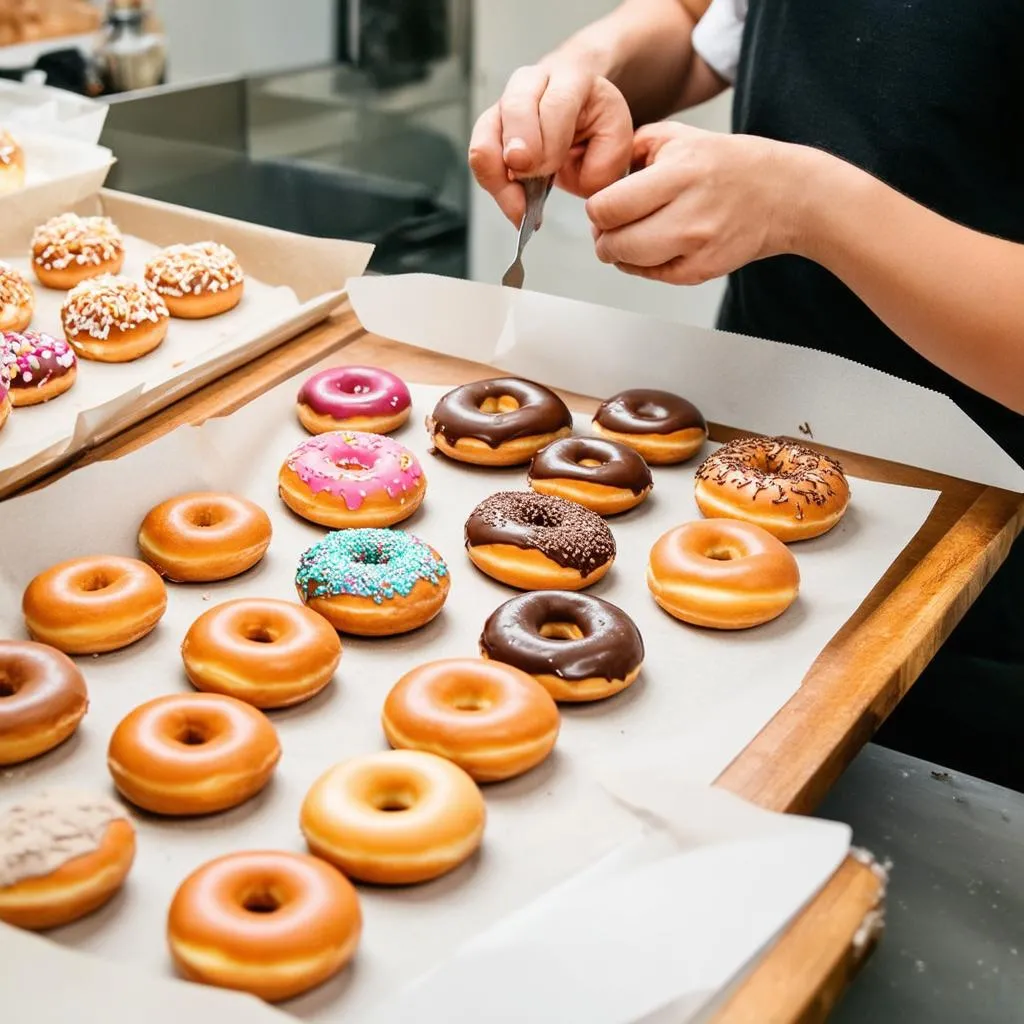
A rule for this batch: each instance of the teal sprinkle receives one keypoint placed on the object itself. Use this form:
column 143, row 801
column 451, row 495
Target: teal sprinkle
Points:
column 378, row 564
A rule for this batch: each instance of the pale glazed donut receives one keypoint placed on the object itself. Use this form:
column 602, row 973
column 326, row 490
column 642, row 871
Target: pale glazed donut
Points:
column 40, row 367
column 348, row 479
column 113, row 319
column 271, row 654
column 204, row 536
column 663, row 427
column 196, row 281
column 192, row 753
column 17, row 300
column 267, row 922
column 68, row 249
column 490, row 719
column 723, row 574
column 792, row 491
column 42, row 699
column 12, row 163
column 354, row 398
column 394, row 818
column 63, row 854
column 93, row 605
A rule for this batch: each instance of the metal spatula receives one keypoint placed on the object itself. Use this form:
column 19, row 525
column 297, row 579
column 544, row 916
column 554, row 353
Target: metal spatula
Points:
column 537, row 190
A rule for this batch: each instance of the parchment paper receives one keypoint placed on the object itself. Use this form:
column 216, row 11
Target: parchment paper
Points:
column 42, row 108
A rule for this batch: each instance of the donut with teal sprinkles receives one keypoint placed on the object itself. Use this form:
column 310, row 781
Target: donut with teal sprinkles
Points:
column 376, row 563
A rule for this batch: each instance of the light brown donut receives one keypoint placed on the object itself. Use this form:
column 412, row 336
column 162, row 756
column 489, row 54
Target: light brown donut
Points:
column 113, row 320
column 69, row 249
column 196, row 281
column 17, row 300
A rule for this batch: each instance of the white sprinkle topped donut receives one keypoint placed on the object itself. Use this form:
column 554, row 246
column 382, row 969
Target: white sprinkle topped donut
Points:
column 113, row 320
column 198, row 280
column 17, row 301
column 68, row 249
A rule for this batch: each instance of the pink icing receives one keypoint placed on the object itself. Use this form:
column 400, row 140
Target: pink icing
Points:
column 345, row 392
column 351, row 465
column 34, row 358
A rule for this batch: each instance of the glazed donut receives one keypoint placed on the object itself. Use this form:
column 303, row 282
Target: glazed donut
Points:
column 490, row 719
column 113, row 320
column 267, row 922
column 578, row 647
column 789, row 490
column 373, row 582
column 68, row 249
column 723, row 574
column 63, row 854
column 204, row 536
column 499, row 422
column 536, row 542
column 394, row 818
column 345, row 479
column 271, row 654
column 354, row 398
column 196, row 281
column 17, row 300
column 192, row 753
column 94, row 605
column 661, row 426
column 605, row 476
column 40, row 367
column 12, row 164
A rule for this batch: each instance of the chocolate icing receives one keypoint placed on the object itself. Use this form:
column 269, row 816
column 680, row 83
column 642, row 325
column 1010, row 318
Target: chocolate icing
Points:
column 620, row 466
column 611, row 647
column 648, row 411
column 458, row 415
column 565, row 532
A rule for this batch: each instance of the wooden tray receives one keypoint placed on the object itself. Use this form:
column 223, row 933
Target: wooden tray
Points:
column 850, row 689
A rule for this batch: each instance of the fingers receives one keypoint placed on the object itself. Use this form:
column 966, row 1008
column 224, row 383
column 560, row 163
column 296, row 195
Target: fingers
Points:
column 607, row 126
column 632, row 198
column 649, row 242
column 522, row 142
column 679, row 270
column 488, row 166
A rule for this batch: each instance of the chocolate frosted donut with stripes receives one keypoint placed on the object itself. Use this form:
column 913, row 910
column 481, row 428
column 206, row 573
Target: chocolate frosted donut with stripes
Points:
column 663, row 427
column 499, row 422
column 537, row 542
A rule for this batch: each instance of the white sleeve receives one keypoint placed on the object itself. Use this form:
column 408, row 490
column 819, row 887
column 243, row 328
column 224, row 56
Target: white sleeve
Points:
column 718, row 36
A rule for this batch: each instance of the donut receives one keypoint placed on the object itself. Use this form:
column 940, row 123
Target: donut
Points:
column 42, row 699
column 723, row 574
column 93, row 605
column 68, row 249
column 63, row 854
column 354, row 398
column 661, row 426
column 578, row 647
column 789, row 490
column 271, row 654
column 492, row 720
column 395, row 817
column 537, row 542
column 373, row 582
column 192, row 753
column 346, row 478
column 204, row 536
column 17, row 300
column 5, row 395
column 605, row 476
column 40, row 367
column 498, row 422
column 196, row 281
column 113, row 320
column 271, row 923
column 12, row 164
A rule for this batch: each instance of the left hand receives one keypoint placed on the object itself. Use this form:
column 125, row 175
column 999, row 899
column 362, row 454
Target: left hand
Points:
column 698, row 204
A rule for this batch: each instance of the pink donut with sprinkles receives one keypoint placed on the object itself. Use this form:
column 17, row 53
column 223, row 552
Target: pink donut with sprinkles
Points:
column 354, row 398
column 349, row 478
column 5, row 380
column 40, row 367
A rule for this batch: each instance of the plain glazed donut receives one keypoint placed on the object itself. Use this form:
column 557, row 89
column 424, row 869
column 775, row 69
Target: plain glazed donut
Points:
column 789, row 490
column 267, row 922
column 63, row 854
column 17, row 300
column 347, row 479
column 490, row 719
column 499, row 422
column 271, row 654
column 42, row 699
column 394, row 818
column 204, row 536
column 94, row 605
column 113, row 319
column 69, row 249
column 40, row 367
column 196, row 281
column 192, row 753
column 661, row 426
column 723, row 574
column 578, row 647
column 536, row 542
column 354, row 398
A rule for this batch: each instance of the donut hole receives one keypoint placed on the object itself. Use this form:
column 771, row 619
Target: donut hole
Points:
column 260, row 634
column 96, row 581
column 193, row 734
column 590, row 463
column 261, row 901
column 205, row 517
column 722, row 554
column 498, row 403
column 392, row 800
column 352, row 386
column 650, row 411
column 472, row 700
column 561, row 631
column 351, row 466
column 9, row 684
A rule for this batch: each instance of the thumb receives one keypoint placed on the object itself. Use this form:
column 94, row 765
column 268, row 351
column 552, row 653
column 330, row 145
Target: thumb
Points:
column 651, row 138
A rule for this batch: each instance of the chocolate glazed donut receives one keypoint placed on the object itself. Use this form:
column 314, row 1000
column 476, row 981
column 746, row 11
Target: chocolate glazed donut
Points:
column 663, row 427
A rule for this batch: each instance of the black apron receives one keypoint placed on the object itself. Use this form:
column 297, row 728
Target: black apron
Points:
column 928, row 96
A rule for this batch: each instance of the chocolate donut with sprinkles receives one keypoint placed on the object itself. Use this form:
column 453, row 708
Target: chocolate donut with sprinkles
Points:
column 373, row 582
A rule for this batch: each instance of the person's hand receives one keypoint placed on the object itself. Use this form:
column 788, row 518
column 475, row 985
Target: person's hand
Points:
column 562, row 121
column 698, row 204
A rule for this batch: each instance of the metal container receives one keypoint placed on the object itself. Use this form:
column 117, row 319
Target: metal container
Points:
column 133, row 54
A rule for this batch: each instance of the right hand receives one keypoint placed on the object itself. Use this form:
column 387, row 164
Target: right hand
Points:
column 562, row 121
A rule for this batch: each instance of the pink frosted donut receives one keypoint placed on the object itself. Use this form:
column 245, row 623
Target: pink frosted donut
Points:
column 40, row 367
column 347, row 478
column 353, row 398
